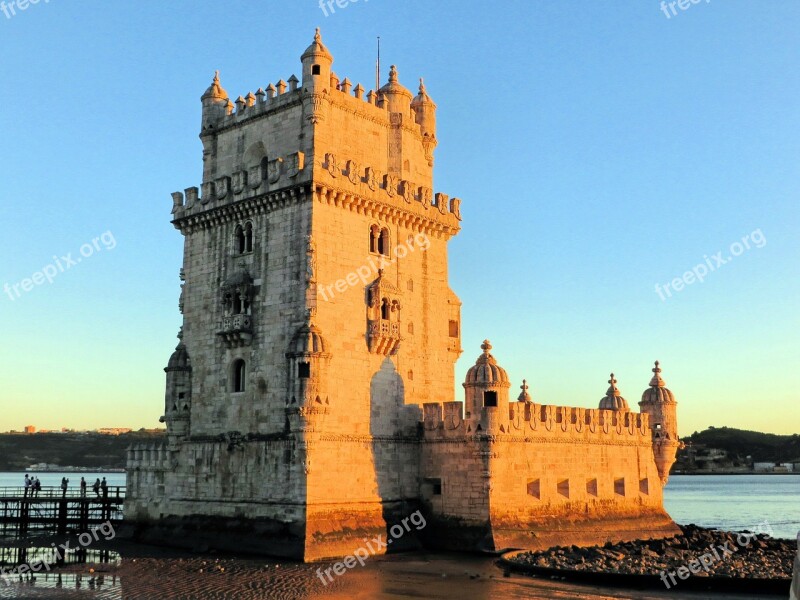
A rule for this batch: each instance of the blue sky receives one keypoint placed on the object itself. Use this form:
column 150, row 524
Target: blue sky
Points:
column 599, row 149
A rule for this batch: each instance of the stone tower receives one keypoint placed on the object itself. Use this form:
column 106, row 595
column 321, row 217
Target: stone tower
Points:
column 317, row 315
column 659, row 403
column 309, row 404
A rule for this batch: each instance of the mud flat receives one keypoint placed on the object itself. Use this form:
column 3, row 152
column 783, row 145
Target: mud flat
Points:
column 699, row 559
column 149, row 573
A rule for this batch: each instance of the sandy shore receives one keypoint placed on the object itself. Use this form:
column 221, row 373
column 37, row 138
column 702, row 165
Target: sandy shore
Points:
column 147, row 573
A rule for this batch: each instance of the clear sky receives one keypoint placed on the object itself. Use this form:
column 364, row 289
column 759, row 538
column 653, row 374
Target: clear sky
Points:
column 600, row 148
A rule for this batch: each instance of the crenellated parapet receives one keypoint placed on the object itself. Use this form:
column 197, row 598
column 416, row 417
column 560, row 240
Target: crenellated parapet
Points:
column 536, row 422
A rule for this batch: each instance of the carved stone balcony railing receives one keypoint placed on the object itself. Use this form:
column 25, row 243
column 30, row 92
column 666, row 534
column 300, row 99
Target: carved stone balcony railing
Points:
column 237, row 330
column 384, row 336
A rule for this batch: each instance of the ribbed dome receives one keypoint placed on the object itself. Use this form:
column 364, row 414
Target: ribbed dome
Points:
column 422, row 97
column 308, row 340
column 317, row 48
column 394, row 86
column 179, row 358
column 657, row 392
column 215, row 91
column 486, row 371
column 613, row 399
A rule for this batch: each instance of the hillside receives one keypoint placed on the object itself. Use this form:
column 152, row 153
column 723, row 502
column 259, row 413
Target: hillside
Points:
column 760, row 447
column 19, row 451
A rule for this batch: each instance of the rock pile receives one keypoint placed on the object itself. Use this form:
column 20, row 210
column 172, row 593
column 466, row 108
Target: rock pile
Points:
column 699, row 552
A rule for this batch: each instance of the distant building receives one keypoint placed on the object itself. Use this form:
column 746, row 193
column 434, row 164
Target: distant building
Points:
column 113, row 430
column 30, row 429
column 772, row 467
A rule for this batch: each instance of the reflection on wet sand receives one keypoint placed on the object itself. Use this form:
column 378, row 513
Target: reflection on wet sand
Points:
column 399, row 577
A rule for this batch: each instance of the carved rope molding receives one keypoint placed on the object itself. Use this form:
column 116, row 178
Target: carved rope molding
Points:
column 241, row 209
column 378, row 209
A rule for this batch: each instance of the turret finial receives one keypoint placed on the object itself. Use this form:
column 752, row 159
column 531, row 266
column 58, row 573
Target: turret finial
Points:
column 393, row 74
column 657, row 381
column 317, row 35
column 486, row 346
column 524, row 396
column 216, row 76
column 421, row 86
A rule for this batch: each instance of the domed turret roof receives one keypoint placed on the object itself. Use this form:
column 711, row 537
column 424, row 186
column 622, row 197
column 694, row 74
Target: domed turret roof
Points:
column 179, row 358
column 317, row 49
column 658, row 391
column 613, row 399
column 422, row 97
column 308, row 340
column 394, row 86
column 215, row 90
column 486, row 371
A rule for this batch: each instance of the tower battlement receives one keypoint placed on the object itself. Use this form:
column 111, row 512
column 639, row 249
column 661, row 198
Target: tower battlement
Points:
column 589, row 425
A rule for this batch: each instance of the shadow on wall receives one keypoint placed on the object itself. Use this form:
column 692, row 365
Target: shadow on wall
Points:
column 395, row 461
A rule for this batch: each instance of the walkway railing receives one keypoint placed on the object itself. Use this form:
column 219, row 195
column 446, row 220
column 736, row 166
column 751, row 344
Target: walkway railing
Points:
column 53, row 510
column 52, row 492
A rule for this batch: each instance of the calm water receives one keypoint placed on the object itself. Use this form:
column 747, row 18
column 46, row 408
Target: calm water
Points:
column 736, row 502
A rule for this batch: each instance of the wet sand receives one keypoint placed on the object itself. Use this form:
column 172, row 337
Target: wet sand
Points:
column 146, row 573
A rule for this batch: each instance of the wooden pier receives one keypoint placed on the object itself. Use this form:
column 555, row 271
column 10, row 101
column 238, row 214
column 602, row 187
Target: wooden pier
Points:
column 50, row 510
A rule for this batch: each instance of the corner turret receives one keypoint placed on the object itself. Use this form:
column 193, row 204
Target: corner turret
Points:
column 216, row 105
column 486, row 390
column 425, row 110
column 178, row 398
column 659, row 403
column 317, row 61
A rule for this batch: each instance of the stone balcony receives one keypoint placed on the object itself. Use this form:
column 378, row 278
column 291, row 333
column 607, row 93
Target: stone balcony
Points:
column 384, row 336
column 237, row 330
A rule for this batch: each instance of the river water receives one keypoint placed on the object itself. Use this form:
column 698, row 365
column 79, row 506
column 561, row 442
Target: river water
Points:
column 727, row 502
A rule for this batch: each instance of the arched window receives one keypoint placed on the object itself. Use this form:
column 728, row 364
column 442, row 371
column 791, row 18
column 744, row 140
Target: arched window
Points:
column 248, row 237
column 386, row 309
column 383, row 242
column 239, row 243
column 239, row 372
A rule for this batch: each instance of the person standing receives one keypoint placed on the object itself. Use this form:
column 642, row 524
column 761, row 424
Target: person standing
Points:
column 27, row 484
column 64, row 485
column 83, row 487
column 37, row 487
column 96, row 487
column 104, row 485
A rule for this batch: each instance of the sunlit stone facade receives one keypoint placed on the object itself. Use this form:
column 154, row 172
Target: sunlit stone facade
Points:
column 308, row 403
